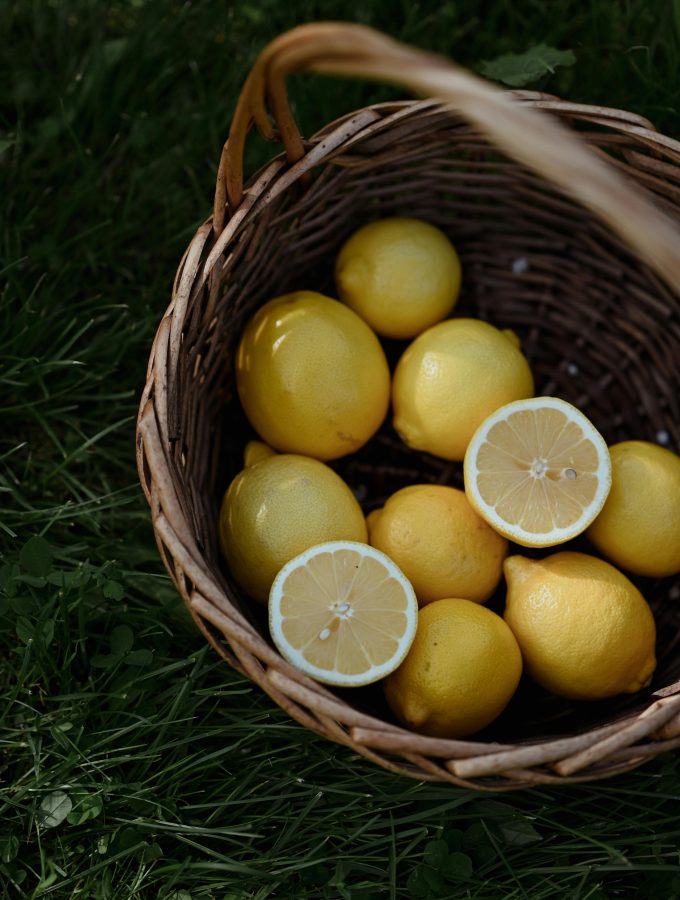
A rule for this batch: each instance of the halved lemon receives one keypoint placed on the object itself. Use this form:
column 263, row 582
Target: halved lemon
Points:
column 343, row 613
column 538, row 471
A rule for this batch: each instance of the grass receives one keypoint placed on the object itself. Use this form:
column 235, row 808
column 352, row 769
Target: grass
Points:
column 134, row 764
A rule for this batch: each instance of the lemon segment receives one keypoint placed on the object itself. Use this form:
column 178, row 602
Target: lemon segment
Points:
column 460, row 673
column 585, row 631
column 400, row 275
column 639, row 525
column 343, row 613
column 537, row 471
column 311, row 376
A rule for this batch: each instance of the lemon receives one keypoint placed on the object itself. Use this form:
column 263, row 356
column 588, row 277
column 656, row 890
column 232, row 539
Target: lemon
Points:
column 585, row 631
column 399, row 275
column 256, row 451
column 451, row 378
column 462, row 669
column 312, row 376
column 276, row 509
column 439, row 542
column 343, row 613
column 537, row 471
column 639, row 526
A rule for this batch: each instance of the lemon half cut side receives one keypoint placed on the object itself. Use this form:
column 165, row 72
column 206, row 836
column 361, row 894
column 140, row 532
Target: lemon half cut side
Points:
column 538, row 471
column 343, row 613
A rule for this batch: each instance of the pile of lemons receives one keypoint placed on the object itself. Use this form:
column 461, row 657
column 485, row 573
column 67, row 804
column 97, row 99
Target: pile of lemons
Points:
column 398, row 595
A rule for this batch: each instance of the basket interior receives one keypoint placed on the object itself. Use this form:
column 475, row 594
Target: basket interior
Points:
column 597, row 326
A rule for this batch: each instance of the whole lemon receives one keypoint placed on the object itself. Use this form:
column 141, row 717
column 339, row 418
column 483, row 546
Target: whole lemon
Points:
column 585, row 631
column 399, row 275
column 439, row 542
column 276, row 509
column 256, row 451
column 450, row 379
column 312, row 376
column 639, row 526
column 463, row 667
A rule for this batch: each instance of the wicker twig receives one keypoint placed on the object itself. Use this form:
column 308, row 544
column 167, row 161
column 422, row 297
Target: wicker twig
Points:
column 564, row 217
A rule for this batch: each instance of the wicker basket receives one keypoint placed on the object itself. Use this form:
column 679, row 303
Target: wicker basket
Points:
column 556, row 241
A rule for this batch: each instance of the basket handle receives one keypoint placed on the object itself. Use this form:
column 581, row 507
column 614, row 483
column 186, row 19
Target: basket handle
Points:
column 537, row 140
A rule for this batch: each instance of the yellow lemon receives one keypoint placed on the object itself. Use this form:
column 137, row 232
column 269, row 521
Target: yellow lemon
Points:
column 276, row 509
column 451, row 378
column 585, row 631
column 462, row 669
column 343, row 613
column 256, row 451
column 639, row 526
column 537, row 471
column 400, row 275
column 312, row 376
column 439, row 542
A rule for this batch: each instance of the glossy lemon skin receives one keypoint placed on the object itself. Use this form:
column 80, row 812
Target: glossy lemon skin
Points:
column 585, row 631
column 256, row 451
column 279, row 507
column 439, row 542
column 462, row 669
column 400, row 275
column 311, row 376
column 451, row 378
column 639, row 525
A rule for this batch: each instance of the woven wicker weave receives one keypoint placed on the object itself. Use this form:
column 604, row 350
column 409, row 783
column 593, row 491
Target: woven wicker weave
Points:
column 554, row 243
